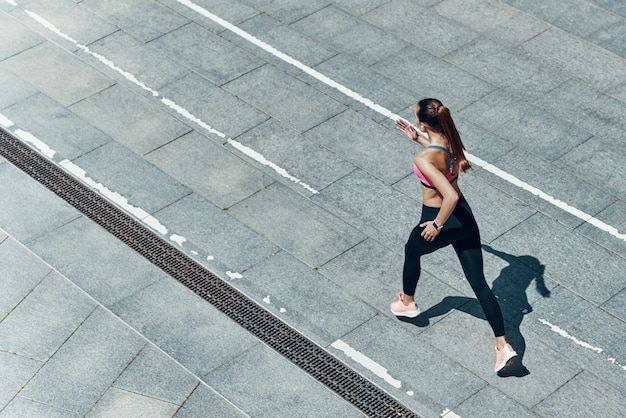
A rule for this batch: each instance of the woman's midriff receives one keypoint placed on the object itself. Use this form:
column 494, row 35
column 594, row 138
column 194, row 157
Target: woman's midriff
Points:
column 432, row 197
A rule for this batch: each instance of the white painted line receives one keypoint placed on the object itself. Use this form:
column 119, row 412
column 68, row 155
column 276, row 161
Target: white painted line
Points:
column 172, row 105
column 583, row 344
column 367, row 362
column 389, row 114
column 449, row 414
column 36, row 142
column 6, row 122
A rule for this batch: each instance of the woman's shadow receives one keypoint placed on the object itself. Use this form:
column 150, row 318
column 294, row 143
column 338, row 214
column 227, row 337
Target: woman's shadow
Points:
column 510, row 289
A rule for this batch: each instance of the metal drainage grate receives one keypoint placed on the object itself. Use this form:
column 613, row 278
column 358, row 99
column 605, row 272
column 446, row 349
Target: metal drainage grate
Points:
column 310, row 357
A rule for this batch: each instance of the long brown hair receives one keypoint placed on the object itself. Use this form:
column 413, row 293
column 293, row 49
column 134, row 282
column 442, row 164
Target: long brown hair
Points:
column 437, row 116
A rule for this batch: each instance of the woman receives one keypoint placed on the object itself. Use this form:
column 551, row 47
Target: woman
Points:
column 446, row 218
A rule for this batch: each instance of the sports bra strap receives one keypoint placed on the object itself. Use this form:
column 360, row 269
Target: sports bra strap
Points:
column 442, row 149
column 446, row 150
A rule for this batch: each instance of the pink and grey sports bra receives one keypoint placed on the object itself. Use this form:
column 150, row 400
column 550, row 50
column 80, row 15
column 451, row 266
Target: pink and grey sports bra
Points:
column 450, row 174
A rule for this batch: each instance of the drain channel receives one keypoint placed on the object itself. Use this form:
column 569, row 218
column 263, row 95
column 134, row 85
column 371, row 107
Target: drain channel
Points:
column 301, row 351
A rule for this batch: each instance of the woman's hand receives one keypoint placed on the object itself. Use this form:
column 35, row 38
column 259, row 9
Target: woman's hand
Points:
column 429, row 233
column 407, row 129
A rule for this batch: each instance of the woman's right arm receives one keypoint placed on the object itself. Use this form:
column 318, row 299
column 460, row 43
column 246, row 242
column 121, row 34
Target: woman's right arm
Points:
column 408, row 129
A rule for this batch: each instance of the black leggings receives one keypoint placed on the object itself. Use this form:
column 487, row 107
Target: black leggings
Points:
column 462, row 232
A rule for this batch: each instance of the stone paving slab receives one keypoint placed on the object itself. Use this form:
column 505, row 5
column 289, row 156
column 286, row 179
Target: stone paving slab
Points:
column 130, row 120
column 372, row 150
column 211, row 170
column 57, row 73
column 220, row 61
column 102, row 265
column 14, row 89
column 285, row 284
column 260, row 379
column 141, row 183
column 63, row 131
column 310, row 233
column 315, row 164
column 32, row 210
column 231, row 117
column 144, row 20
column 148, row 65
column 290, row 101
column 231, row 245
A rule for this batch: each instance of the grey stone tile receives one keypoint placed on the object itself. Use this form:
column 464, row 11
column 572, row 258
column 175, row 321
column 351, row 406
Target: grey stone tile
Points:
column 495, row 20
column 378, row 151
column 366, row 82
column 147, row 65
column 581, row 266
column 283, row 284
column 461, row 335
column 68, row 17
column 57, row 73
column 211, row 170
column 315, row 165
column 45, row 319
column 553, row 181
column 204, row 399
column 401, row 353
column 206, row 53
column 350, row 35
column 526, row 125
column 421, row 25
column 506, row 68
column 68, row 135
column 20, row 275
column 299, row 226
column 288, row 11
column 615, row 217
column 577, row 102
column 292, row 102
column 282, row 37
column 582, row 334
column 144, row 20
column 585, row 395
column 572, row 55
column 436, row 78
column 199, row 97
column 597, row 162
column 381, row 213
column 185, row 326
column 32, row 209
column 126, row 173
column 156, row 375
column 481, row 142
column 116, row 403
column 129, row 119
column 77, row 375
column 16, row 372
column 232, row 11
column 617, row 305
column 17, row 37
column 495, row 212
column 358, row 7
column 490, row 401
column 100, row 264
column 611, row 37
column 245, row 382
column 21, row 407
column 14, row 90
column 230, row 243
column 567, row 16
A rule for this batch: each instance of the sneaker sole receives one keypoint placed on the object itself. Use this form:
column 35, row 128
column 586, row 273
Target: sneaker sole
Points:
column 408, row 314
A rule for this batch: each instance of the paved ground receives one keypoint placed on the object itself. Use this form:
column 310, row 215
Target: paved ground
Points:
column 257, row 137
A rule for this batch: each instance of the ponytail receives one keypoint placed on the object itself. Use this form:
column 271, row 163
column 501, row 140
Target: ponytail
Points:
column 448, row 128
column 437, row 116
